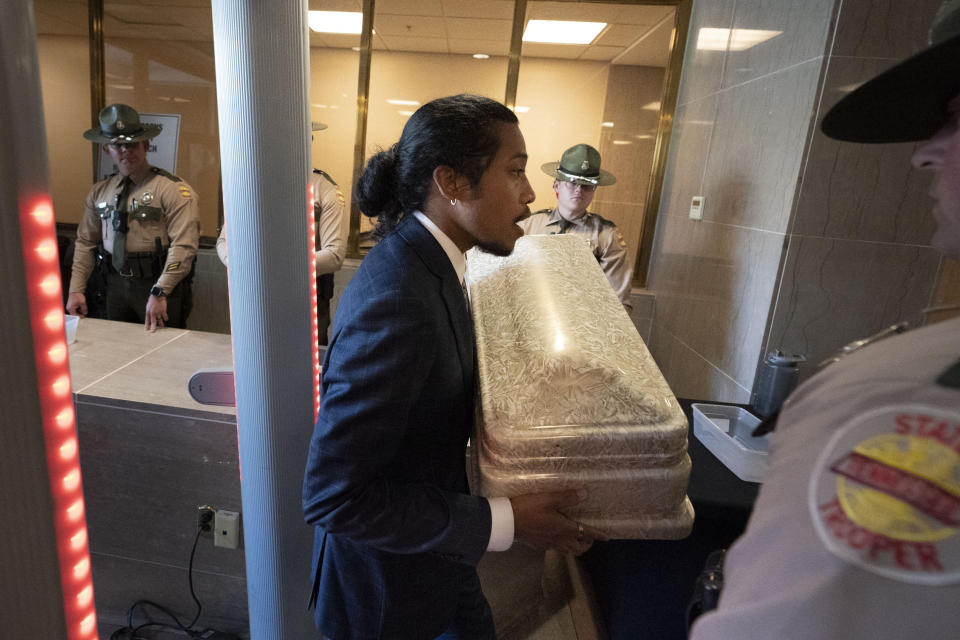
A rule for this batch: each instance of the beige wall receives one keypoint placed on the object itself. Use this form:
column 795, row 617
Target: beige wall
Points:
column 559, row 104
column 806, row 243
column 65, row 80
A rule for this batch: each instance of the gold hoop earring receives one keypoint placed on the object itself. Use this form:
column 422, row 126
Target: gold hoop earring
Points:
column 453, row 202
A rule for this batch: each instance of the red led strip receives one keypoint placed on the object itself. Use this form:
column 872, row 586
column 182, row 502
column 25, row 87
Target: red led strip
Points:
column 38, row 236
column 315, row 323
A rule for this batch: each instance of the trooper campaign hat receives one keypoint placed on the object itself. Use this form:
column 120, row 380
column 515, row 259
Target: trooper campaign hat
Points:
column 580, row 164
column 909, row 101
column 120, row 124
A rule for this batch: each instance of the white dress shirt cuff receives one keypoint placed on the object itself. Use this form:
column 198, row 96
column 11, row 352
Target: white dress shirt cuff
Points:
column 501, row 524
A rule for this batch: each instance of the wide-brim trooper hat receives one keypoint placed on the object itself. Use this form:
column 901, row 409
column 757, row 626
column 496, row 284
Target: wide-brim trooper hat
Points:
column 317, row 126
column 120, row 124
column 909, row 101
column 580, row 164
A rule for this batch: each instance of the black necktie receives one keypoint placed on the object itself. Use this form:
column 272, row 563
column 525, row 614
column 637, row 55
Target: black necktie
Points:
column 120, row 226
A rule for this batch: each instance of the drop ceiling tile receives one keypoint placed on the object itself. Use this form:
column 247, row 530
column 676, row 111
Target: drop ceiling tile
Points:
column 601, row 53
column 476, row 29
column 586, row 12
column 641, row 14
column 409, row 7
column 620, row 35
column 409, row 26
column 562, row 51
column 403, row 43
column 490, row 9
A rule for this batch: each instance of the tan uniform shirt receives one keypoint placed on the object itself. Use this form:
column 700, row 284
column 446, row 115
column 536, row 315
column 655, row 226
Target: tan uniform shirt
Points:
column 158, row 208
column 608, row 245
column 331, row 240
column 855, row 532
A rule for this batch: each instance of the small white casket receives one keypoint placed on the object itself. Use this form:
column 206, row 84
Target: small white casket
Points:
column 569, row 394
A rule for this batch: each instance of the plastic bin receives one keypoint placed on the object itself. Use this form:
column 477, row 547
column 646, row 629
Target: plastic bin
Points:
column 725, row 430
column 70, row 326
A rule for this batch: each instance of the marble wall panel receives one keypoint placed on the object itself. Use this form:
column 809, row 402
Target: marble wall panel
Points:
column 883, row 28
column 642, row 313
column 631, row 113
column 804, row 29
column 703, row 68
column 689, row 374
column 686, row 162
column 861, row 191
column 757, row 147
column 716, row 290
column 836, row 291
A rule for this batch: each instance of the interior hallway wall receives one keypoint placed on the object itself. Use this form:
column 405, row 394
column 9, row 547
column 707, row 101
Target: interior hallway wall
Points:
column 806, row 243
column 740, row 127
column 858, row 257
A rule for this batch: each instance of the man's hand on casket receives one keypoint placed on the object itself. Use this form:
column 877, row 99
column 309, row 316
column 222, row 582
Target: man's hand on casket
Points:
column 538, row 523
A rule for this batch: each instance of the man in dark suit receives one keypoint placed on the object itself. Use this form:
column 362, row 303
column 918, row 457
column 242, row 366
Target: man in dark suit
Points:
column 397, row 533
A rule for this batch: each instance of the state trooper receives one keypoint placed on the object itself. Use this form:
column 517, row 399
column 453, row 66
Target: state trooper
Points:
column 330, row 239
column 575, row 179
column 144, row 226
column 856, row 530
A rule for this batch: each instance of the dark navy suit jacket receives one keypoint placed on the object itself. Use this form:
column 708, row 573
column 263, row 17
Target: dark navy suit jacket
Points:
column 385, row 486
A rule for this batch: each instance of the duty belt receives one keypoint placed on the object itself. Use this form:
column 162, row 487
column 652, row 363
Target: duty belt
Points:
column 138, row 265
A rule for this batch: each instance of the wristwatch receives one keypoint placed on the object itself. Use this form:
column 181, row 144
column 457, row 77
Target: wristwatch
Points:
column 157, row 291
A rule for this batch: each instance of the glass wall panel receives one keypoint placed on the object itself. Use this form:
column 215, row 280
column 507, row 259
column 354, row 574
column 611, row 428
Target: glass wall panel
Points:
column 605, row 93
column 423, row 51
column 64, row 58
column 334, row 70
column 158, row 59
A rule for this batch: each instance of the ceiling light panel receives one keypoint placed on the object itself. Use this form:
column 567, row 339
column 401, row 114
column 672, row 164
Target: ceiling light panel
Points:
column 562, row 31
column 335, row 21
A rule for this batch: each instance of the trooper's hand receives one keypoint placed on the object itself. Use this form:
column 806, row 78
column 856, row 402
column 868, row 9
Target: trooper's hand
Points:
column 77, row 304
column 538, row 522
column 156, row 313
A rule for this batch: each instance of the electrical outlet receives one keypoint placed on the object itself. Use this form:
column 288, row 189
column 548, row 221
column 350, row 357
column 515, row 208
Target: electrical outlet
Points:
column 205, row 520
column 226, row 526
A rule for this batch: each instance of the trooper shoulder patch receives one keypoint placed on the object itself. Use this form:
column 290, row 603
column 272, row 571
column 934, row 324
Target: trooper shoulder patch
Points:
column 885, row 493
column 326, row 175
column 173, row 266
column 165, row 174
column 185, row 191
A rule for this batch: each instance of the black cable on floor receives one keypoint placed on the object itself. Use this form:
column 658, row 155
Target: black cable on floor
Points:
column 131, row 631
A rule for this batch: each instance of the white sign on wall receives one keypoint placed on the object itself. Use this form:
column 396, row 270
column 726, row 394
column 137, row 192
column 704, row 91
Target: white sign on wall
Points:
column 163, row 149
